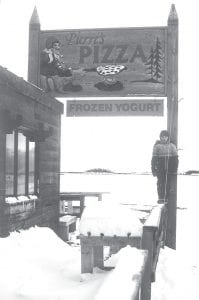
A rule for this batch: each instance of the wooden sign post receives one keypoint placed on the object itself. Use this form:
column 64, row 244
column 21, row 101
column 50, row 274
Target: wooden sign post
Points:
column 172, row 118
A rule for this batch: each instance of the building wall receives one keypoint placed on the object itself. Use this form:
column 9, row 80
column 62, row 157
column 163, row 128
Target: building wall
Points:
column 40, row 118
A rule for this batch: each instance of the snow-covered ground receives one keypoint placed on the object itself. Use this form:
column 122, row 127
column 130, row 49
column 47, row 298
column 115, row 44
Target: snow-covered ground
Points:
column 35, row 264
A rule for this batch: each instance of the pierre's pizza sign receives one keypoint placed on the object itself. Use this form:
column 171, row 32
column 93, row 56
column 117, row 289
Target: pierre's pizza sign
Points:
column 104, row 62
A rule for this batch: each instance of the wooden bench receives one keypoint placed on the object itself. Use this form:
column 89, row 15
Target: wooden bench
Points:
column 66, row 224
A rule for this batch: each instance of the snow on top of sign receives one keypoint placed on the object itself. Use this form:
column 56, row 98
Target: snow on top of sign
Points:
column 109, row 220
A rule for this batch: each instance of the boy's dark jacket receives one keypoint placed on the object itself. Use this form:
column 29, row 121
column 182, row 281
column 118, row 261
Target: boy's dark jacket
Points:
column 162, row 163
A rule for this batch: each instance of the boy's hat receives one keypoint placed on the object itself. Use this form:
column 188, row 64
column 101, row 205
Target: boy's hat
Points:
column 164, row 133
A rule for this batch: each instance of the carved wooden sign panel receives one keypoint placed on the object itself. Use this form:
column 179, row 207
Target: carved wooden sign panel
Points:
column 103, row 62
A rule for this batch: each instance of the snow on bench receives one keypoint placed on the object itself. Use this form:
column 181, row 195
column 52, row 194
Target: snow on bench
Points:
column 110, row 220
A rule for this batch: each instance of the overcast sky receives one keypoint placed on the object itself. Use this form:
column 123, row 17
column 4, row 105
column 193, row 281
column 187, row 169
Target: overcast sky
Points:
column 116, row 143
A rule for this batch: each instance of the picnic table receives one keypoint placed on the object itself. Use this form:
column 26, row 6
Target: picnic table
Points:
column 71, row 197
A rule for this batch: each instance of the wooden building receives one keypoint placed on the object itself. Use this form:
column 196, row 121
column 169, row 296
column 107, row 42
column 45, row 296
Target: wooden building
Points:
column 30, row 124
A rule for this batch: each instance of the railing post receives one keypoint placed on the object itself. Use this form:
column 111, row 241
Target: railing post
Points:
column 147, row 244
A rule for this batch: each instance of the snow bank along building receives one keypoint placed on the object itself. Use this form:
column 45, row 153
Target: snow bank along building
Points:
column 30, row 123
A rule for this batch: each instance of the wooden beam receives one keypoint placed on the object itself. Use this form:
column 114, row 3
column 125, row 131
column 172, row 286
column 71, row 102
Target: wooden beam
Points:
column 121, row 241
column 172, row 117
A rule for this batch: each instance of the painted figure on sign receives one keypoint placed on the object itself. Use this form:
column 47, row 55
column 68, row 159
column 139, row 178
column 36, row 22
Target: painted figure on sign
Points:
column 54, row 74
column 164, row 164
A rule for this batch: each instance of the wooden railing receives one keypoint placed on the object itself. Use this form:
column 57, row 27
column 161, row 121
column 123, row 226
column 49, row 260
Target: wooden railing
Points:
column 153, row 238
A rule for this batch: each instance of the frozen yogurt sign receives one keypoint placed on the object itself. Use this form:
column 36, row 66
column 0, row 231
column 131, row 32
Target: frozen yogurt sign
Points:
column 144, row 107
column 136, row 56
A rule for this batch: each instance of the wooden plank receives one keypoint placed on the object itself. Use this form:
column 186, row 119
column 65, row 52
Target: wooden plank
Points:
column 121, row 241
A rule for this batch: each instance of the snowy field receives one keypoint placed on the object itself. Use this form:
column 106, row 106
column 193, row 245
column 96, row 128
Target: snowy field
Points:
column 35, row 264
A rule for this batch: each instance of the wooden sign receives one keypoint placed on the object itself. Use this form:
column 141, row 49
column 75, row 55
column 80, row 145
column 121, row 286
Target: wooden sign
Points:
column 100, row 62
column 89, row 108
column 120, row 62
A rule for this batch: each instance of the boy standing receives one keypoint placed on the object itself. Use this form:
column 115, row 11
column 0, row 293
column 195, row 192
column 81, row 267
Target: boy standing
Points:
column 164, row 163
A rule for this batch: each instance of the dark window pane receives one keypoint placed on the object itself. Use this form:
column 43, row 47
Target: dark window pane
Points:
column 10, row 164
column 21, row 164
column 31, row 167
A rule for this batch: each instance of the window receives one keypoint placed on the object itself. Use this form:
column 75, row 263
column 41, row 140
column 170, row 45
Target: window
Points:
column 31, row 186
column 20, row 165
column 10, row 164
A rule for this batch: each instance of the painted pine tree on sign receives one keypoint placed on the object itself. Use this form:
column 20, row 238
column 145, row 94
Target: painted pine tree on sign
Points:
column 154, row 63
